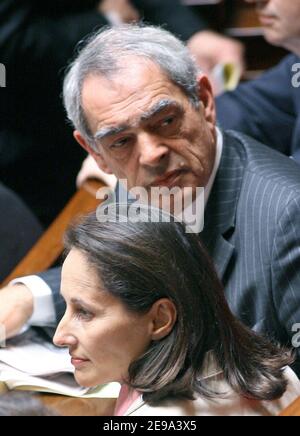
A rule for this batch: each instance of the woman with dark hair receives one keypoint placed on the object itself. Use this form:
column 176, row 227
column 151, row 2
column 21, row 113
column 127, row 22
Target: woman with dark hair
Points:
column 145, row 308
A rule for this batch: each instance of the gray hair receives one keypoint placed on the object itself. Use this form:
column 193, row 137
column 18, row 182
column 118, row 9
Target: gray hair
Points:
column 103, row 55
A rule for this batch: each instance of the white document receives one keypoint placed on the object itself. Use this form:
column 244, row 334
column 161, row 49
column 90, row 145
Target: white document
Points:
column 31, row 354
column 30, row 363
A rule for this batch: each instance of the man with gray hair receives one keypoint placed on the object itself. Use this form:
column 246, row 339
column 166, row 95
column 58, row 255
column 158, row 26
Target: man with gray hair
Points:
column 145, row 113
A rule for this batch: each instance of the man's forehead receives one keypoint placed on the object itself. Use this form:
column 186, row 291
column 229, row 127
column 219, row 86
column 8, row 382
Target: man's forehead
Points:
column 131, row 73
column 125, row 97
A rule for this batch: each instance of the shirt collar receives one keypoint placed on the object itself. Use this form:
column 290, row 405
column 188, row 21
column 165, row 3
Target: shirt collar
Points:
column 189, row 211
column 219, row 150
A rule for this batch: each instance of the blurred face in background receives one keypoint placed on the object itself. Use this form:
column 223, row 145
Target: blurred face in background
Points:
column 281, row 22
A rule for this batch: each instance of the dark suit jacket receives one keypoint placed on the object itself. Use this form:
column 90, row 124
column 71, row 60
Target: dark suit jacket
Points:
column 267, row 109
column 176, row 17
column 37, row 40
column 19, row 230
column 252, row 232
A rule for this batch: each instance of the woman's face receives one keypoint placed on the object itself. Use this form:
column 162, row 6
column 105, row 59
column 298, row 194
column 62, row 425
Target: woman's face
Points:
column 103, row 337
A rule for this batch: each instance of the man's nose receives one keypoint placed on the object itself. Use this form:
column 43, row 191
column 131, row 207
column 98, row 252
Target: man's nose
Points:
column 152, row 149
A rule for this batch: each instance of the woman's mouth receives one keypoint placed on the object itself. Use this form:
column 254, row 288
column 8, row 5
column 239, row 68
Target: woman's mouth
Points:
column 78, row 362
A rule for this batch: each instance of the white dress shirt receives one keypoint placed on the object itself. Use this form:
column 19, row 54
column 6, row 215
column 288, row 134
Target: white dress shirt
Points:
column 43, row 307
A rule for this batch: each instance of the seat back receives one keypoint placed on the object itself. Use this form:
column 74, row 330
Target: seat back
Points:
column 292, row 410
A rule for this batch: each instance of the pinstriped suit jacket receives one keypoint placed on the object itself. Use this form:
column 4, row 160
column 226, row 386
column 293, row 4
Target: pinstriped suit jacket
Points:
column 252, row 232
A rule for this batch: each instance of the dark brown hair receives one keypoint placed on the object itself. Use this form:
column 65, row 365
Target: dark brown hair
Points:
column 140, row 263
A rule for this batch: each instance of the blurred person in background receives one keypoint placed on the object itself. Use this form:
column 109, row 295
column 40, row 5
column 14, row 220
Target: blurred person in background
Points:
column 19, row 230
column 268, row 108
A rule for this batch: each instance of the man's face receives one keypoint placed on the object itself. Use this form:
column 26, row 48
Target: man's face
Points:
column 147, row 130
column 281, row 21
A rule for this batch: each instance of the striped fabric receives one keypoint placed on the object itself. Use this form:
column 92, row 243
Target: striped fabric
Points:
column 252, row 232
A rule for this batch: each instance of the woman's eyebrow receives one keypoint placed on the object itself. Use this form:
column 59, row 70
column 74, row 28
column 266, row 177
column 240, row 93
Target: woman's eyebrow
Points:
column 80, row 302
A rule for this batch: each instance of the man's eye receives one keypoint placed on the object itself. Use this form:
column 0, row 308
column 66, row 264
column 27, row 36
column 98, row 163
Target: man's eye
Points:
column 119, row 144
column 167, row 121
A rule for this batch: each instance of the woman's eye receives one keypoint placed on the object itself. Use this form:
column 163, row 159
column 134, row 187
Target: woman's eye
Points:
column 83, row 314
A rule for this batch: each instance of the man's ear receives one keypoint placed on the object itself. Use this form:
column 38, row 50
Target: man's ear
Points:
column 164, row 316
column 206, row 97
column 97, row 156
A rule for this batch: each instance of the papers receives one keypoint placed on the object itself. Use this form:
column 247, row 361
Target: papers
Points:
column 31, row 354
column 31, row 363
column 63, row 384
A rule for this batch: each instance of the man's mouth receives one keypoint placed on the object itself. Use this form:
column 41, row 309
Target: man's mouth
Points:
column 169, row 179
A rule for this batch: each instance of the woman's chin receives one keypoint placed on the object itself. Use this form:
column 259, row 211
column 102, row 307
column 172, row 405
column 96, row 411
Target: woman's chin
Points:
column 85, row 382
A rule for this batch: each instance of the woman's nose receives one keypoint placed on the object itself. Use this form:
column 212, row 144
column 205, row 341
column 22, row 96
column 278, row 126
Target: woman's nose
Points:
column 63, row 337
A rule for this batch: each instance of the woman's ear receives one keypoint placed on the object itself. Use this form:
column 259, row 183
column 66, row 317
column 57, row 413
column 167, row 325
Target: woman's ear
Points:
column 206, row 97
column 97, row 156
column 164, row 316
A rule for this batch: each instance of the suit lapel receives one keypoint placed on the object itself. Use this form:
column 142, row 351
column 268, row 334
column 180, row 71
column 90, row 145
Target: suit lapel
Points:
column 295, row 142
column 221, row 252
column 220, row 214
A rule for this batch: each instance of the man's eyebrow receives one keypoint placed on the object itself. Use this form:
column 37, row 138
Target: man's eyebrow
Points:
column 160, row 107
column 155, row 110
column 109, row 131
